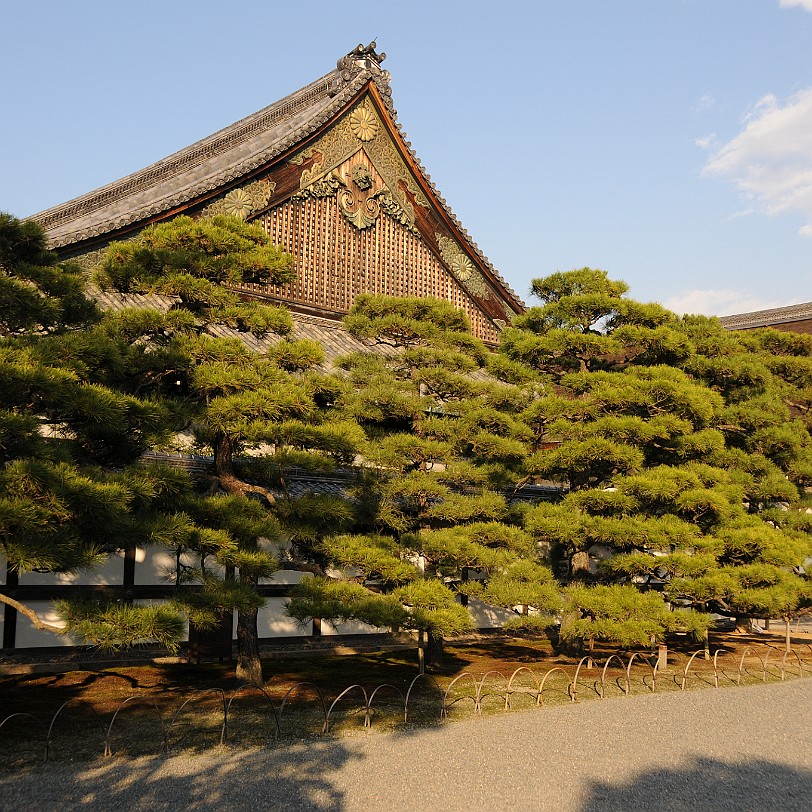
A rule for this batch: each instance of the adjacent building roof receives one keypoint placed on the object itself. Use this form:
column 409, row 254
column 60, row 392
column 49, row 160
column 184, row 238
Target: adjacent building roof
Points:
column 330, row 334
column 797, row 318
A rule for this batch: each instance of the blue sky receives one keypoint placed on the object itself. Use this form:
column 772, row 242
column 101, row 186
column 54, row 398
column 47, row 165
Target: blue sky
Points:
column 668, row 142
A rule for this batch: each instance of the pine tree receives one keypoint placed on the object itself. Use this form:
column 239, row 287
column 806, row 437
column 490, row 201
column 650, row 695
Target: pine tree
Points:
column 443, row 440
column 258, row 412
column 63, row 507
column 671, row 469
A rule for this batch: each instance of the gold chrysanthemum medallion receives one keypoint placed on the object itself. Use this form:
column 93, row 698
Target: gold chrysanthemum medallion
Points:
column 238, row 203
column 363, row 124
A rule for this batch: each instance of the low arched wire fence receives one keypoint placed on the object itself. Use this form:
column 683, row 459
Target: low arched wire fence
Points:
column 211, row 716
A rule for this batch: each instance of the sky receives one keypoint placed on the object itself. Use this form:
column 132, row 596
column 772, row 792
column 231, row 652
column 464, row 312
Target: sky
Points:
column 667, row 142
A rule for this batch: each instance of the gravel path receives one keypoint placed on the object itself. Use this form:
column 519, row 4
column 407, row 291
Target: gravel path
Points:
column 746, row 749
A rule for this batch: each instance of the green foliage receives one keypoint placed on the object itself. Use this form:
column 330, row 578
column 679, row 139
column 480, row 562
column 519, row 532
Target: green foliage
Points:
column 112, row 627
column 622, row 615
column 344, row 600
column 194, row 259
column 432, row 607
column 37, row 295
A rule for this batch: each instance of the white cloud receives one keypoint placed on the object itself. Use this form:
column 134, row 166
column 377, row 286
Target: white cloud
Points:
column 807, row 4
column 719, row 302
column 770, row 161
column 706, row 102
column 706, row 141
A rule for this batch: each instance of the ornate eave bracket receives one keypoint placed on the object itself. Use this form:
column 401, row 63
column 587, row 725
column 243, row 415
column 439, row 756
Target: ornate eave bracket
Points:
column 243, row 201
column 462, row 267
column 360, row 194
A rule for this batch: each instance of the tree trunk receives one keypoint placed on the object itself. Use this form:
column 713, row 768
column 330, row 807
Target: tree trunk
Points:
column 434, row 650
column 787, row 640
column 742, row 624
column 706, row 641
column 224, row 470
column 249, row 666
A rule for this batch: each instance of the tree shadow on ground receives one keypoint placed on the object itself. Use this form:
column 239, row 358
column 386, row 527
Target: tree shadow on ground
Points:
column 297, row 777
column 707, row 784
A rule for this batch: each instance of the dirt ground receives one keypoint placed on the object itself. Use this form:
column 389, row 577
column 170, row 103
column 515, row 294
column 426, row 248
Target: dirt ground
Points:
column 168, row 685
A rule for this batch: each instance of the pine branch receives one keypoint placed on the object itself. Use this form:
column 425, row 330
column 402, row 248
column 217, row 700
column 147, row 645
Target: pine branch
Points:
column 31, row 615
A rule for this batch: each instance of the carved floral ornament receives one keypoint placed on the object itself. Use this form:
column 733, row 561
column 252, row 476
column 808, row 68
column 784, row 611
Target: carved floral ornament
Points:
column 363, row 123
column 242, row 202
column 360, row 193
column 462, row 268
column 355, row 145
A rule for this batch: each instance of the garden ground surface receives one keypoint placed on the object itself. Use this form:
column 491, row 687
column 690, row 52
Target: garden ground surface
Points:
column 146, row 709
column 745, row 749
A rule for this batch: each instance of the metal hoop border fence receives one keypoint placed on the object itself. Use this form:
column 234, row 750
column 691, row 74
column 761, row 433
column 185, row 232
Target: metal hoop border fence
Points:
column 491, row 684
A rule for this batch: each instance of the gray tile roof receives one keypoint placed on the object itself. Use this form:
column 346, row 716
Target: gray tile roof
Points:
column 234, row 153
column 766, row 318
column 338, row 483
column 332, row 336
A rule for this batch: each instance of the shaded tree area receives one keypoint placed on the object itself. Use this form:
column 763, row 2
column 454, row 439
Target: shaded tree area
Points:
column 71, row 491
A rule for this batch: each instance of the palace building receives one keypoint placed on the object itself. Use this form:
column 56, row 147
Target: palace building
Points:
column 329, row 174
column 794, row 319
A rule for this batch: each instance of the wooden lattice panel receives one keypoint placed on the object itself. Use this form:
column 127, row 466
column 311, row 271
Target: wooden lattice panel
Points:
column 336, row 261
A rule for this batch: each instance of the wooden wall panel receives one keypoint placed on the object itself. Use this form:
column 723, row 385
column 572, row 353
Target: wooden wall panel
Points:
column 336, row 261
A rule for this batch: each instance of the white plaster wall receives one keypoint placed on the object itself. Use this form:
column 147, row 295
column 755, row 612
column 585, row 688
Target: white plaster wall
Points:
column 349, row 627
column 272, row 621
column 487, row 617
column 154, row 565
column 285, row 577
column 30, row 637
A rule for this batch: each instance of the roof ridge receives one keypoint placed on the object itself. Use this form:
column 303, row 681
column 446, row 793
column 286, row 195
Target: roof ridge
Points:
column 206, row 147
column 101, row 211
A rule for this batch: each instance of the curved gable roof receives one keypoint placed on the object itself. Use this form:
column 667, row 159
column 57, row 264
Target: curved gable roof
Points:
column 202, row 170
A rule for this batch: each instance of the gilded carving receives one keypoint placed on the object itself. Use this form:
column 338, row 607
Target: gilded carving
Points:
column 325, row 187
column 363, row 123
column 395, row 210
column 242, row 202
column 462, row 268
column 360, row 192
column 341, row 142
column 361, row 177
column 361, row 210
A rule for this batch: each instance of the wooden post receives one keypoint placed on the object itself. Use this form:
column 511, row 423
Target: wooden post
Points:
column 662, row 658
column 10, row 614
column 421, row 651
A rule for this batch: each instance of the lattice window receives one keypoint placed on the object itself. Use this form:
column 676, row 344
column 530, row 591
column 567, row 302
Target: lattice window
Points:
column 336, row 261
